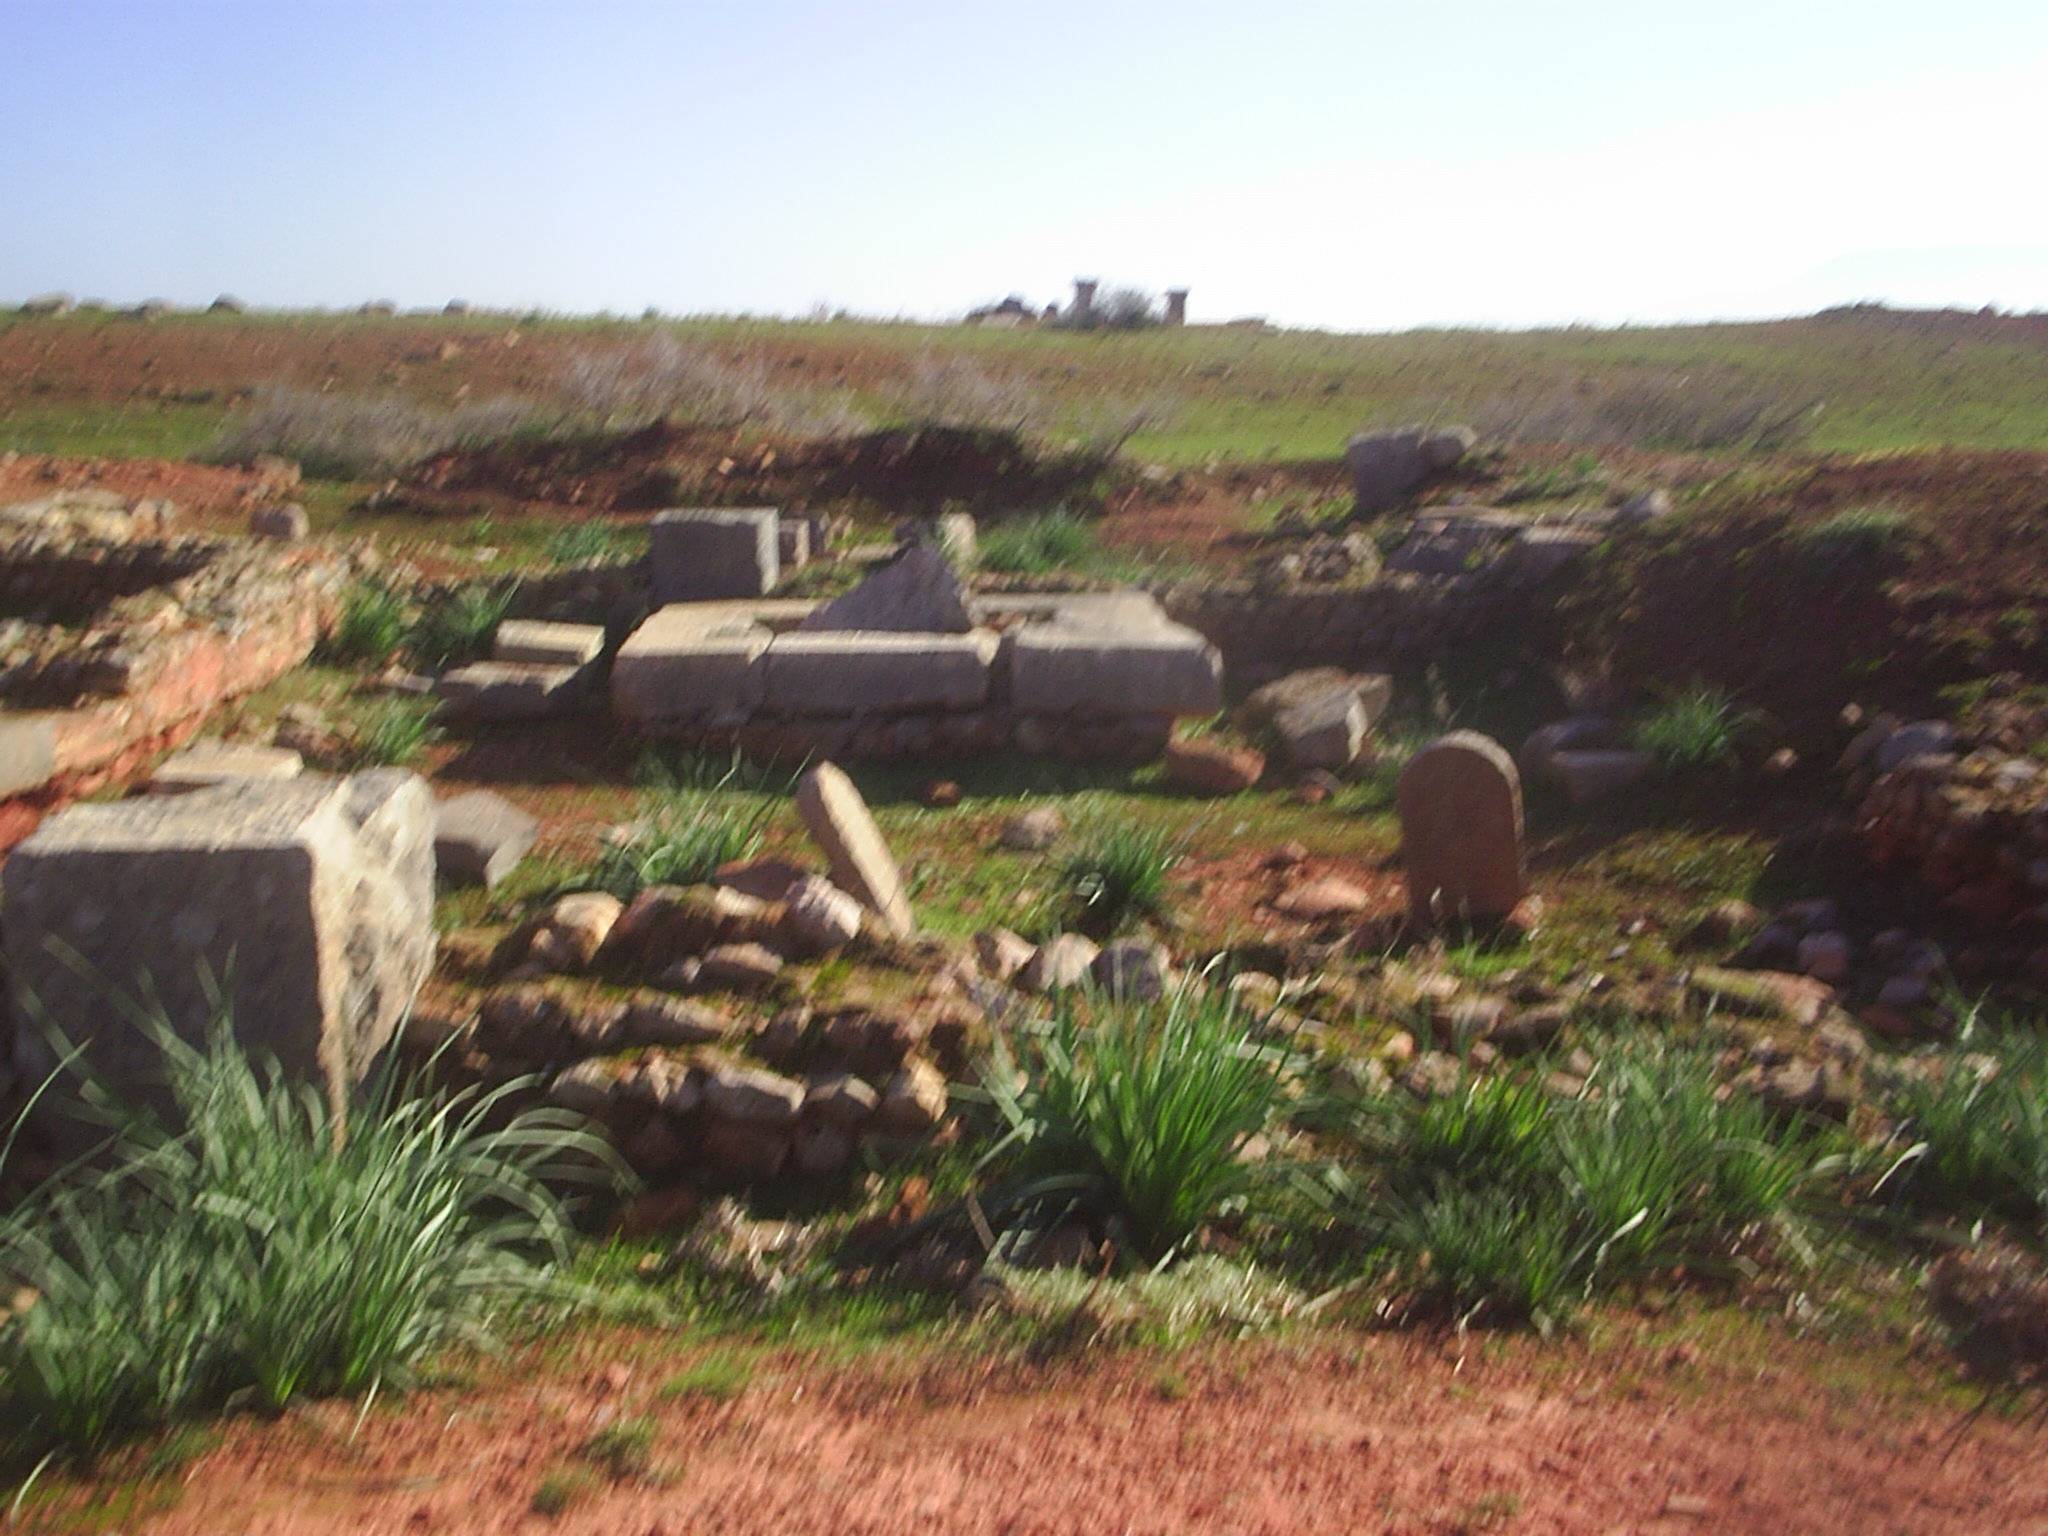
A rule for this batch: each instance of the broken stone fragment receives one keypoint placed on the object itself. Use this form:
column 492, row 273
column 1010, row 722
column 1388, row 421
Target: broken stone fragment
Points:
column 480, row 837
column 1058, row 964
column 819, row 917
column 839, row 822
column 575, row 929
column 914, row 1102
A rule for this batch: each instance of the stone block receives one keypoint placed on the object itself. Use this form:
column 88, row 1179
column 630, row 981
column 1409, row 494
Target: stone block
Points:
column 869, row 672
column 509, row 690
column 304, row 906
column 212, row 763
column 1460, row 801
column 839, row 822
column 1164, row 669
column 479, row 838
column 28, row 752
column 1388, row 467
column 702, row 554
column 676, row 668
column 793, row 543
column 546, row 644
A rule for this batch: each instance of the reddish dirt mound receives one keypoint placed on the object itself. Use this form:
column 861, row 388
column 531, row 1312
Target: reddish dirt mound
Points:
column 210, row 498
column 1396, row 1434
column 906, row 470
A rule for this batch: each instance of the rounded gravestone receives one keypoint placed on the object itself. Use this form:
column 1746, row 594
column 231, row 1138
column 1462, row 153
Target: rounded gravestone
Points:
column 1461, row 830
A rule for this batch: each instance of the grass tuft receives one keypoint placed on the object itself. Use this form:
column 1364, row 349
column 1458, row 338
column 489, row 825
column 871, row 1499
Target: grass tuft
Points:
column 1139, row 1112
column 394, row 734
column 715, row 1378
column 457, row 629
column 371, row 628
column 1692, row 730
column 681, row 840
column 1039, row 544
column 1117, row 875
column 255, row 1252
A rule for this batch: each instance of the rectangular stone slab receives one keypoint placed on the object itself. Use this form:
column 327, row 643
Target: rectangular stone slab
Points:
column 872, row 672
column 305, row 904
column 549, row 644
column 212, row 763
column 509, row 690
column 700, row 553
column 678, row 668
column 1167, row 670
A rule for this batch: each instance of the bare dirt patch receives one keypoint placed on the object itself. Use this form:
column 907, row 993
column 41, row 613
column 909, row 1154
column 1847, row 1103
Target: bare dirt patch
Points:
column 1398, row 1434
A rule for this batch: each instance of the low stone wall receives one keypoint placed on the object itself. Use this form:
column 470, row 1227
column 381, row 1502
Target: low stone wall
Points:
column 1387, row 625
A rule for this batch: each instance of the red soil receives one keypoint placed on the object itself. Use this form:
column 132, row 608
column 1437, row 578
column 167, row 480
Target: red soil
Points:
column 207, row 498
column 1345, row 1433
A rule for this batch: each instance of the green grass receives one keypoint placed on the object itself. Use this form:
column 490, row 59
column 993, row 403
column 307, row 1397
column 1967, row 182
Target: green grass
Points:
column 394, row 734
column 623, row 1449
column 1977, row 1130
column 1230, row 395
column 715, row 1378
column 373, row 625
column 560, row 1489
column 1133, row 1111
column 679, row 840
column 1500, row 1202
column 591, row 542
column 1116, row 875
column 256, row 1254
column 1692, row 730
column 1038, row 544
column 458, row 628
column 1856, row 536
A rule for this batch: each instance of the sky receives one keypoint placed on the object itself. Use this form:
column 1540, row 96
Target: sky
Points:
column 1356, row 166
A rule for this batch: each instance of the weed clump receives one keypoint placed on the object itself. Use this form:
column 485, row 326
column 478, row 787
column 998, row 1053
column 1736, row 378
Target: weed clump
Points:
column 243, row 1246
column 1038, row 544
column 371, row 627
column 1979, row 1128
column 457, row 629
column 1693, row 730
column 1117, row 876
column 1504, row 1203
column 1138, row 1113
column 350, row 437
column 394, row 734
column 681, row 840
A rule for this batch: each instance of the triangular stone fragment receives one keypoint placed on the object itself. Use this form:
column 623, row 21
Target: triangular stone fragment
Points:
column 918, row 591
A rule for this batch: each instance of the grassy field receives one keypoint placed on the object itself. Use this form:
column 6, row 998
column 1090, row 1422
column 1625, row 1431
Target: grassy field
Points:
column 93, row 382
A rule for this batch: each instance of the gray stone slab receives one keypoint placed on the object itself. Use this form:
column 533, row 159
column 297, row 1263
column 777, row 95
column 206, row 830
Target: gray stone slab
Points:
column 1162, row 670
column 548, row 644
column 479, row 838
column 508, row 690
column 678, row 667
column 698, row 554
column 305, row 905
column 869, row 672
column 917, row 592
column 28, row 752
column 212, row 763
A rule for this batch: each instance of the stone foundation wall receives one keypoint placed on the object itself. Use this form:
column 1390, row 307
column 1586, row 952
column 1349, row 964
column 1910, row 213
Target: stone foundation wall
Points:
column 1388, row 625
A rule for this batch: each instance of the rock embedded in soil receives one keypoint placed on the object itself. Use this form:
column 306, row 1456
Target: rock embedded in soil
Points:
column 1132, row 970
column 1058, row 964
column 1212, row 768
column 209, row 764
column 286, row 522
column 840, row 823
column 1316, row 901
column 1033, row 831
column 480, row 837
column 752, row 1096
column 575, row 929
column 1000, row 953
column 819, row 917
column 841, row 1100
column 742, row 967
column 914, row 1102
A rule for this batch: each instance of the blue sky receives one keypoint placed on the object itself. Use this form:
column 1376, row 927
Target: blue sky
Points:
column 1360, row 165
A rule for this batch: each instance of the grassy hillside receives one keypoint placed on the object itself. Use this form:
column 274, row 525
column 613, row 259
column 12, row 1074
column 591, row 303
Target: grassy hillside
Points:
column 95, row 382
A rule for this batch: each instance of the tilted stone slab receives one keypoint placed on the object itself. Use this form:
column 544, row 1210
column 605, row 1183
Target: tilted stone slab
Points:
column 839, row 822
column 548, row 644
column 305, row 904
column 918, row 592
column 509, row 690
column 1160, row 670
column 212, row 763
column 686, row 666
column 870, row 672
column 701, row 553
